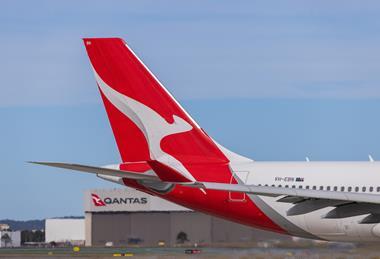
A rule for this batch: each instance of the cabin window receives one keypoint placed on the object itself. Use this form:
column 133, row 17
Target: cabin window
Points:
column 300, row 186
column 335, row 188
column 371, row 189
column 356, row 189
column 364, row 189
column 342, row 189
column 280, row 186
column 293, row 186
column 314, row 187
column 349, row 188
column 307, row 186
column 321, row 188
column 378, row 189
column 286, row 186
column 273, row 185
column 328, row 188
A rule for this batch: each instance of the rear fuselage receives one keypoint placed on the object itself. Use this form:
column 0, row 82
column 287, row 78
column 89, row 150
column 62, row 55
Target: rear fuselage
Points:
column 267, row 213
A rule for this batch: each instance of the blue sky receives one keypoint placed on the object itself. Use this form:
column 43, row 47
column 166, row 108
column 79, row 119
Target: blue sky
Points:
column 273, row 80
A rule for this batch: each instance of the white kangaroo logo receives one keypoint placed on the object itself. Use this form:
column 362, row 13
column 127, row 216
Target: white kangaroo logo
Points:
column 152, row 125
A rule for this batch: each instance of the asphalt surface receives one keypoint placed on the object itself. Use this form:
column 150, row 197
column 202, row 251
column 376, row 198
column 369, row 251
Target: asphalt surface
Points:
column 306, row 252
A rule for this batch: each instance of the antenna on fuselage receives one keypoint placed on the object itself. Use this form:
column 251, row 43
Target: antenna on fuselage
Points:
column 370, row 158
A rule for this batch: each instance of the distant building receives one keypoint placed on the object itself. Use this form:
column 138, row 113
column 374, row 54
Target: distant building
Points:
column 10, row 238
column 4, row 227
column 64, row 230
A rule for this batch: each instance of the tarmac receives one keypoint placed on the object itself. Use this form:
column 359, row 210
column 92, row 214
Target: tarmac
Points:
column 337, row 251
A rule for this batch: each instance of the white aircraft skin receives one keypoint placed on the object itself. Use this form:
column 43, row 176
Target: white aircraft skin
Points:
column 317, row 174
column 165, row 153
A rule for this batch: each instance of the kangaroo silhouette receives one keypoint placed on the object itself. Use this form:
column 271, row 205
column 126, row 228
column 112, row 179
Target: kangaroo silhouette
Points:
column 152, row 125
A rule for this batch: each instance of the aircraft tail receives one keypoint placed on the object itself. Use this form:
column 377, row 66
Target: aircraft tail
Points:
column 147, row 122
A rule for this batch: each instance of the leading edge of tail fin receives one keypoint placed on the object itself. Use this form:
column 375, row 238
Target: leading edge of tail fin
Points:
column 147, row 122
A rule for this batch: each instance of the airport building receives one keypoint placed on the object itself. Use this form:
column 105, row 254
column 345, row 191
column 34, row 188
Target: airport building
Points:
column 10, row 238
column 122, row 217
column 65, row 230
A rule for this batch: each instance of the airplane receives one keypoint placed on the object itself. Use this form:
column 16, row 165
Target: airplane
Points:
column 164, row 152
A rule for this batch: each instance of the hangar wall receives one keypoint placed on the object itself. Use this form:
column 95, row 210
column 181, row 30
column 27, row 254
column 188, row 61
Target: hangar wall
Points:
column 147, row 228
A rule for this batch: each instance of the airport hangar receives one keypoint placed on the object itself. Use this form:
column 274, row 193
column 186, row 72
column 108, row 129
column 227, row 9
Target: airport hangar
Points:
column 121, row 217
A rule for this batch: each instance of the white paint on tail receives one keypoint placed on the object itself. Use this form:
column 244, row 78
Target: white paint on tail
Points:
column 152, row 125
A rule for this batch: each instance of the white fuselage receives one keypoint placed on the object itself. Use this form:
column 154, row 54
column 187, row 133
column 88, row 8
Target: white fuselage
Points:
column 360, row 177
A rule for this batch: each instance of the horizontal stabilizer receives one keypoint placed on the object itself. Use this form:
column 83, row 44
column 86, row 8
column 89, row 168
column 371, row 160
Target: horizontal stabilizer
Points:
column 101, row 170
